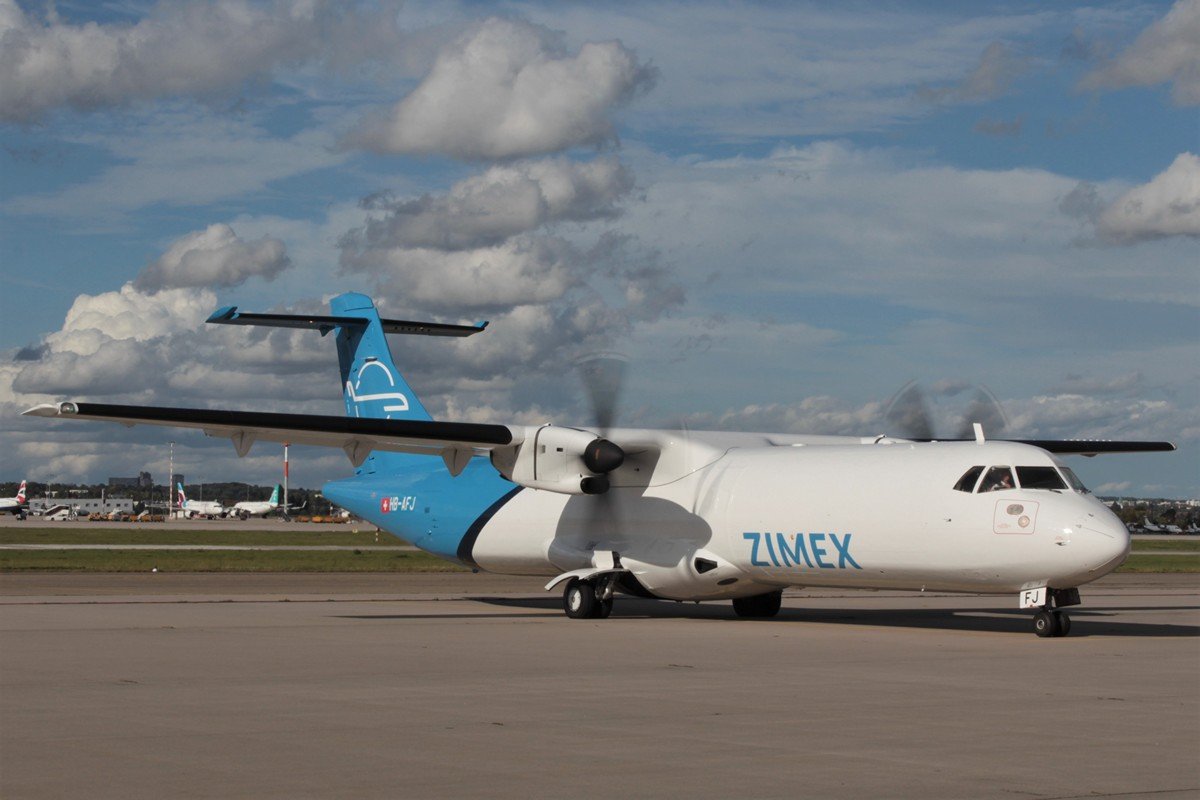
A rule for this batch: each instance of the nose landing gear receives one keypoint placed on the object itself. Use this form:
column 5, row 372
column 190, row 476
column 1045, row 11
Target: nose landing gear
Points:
column 1053, row 622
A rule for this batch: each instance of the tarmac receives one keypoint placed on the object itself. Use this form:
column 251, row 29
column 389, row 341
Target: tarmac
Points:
column 477, row 686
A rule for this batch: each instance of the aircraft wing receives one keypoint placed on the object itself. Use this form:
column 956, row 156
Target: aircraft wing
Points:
column 454, row 441
column 1079, row 447
column 1094, row 447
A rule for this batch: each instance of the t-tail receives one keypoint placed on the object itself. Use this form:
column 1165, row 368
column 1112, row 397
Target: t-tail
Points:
column 372, row 386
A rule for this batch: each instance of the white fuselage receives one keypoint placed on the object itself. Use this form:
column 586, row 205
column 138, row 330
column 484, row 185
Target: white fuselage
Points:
column 253, row 508
column 202, row 508
column 881, row 516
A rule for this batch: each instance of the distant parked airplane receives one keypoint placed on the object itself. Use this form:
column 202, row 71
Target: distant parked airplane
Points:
column 260, row 508
column 199, row 508
column 17, row 506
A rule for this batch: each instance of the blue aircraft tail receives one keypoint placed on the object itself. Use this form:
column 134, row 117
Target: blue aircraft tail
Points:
column 386, row 487
column 371, row 385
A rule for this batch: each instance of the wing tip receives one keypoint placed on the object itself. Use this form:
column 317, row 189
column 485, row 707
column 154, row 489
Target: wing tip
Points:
column 51, row 410
column 223, row 314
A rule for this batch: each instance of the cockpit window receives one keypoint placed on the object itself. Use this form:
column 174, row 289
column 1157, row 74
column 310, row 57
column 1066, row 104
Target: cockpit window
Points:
column 1040, row 478
column 996, row 479
column 1073, row 479
column 967, row 482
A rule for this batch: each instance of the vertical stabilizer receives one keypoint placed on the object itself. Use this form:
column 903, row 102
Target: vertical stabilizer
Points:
column 371, row 385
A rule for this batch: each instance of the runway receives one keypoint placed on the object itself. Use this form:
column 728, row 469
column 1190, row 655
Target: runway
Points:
column 458, row 685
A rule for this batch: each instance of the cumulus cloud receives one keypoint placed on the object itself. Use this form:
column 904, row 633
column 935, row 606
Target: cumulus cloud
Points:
column 1169, row 205
column 1166, row 52
column 179, row 49
column 508, row 89
column 501, row 202
column 131, row 314
column 213, row 257
column 114, row 343
column 521, row 270
column 998, row 67
column 486, row 245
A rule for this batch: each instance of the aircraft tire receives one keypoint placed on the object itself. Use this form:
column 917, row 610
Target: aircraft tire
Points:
column 1064, row 623
column 1045, row 624
column 603, row 608
column 579, row 599
column 759, row 606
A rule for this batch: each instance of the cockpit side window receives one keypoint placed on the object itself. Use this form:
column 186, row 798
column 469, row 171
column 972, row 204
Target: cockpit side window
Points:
column 1073, row 479
column 967, row 482
column 997, row 479
column 1040, row 478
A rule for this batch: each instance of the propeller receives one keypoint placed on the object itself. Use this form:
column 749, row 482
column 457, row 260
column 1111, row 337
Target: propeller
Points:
column 603, row 376
column 959, row 404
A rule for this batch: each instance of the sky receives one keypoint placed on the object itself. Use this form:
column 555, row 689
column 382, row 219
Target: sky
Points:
column 781, row 215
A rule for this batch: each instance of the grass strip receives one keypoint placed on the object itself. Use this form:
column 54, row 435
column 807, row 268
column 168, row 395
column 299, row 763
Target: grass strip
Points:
column 1191, row 545
column 1159, row 563
column 154, row 535
column 221, row 561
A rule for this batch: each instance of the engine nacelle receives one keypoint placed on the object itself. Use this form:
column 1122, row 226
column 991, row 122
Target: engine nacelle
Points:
column 564, row 460
column 699, row 575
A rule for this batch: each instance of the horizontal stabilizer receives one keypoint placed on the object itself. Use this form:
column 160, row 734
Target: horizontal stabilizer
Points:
column 325, row 323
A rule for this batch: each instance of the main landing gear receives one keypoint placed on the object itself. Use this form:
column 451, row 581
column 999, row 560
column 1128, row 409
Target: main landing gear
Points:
column 759, row 606
column 589, row 599
column 1052, row 622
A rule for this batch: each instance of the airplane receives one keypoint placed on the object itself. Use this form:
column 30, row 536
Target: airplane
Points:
column 256, row 508
column 1150, row 527
column 17, row 506
column 682, row 515
column 199, row 508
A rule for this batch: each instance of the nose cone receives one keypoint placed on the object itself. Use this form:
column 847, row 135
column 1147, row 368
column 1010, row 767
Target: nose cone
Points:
column 1104, row 539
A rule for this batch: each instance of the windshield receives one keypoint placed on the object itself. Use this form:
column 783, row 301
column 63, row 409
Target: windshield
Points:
column 1040, row 478
column 1073, row 479
column 996, row 480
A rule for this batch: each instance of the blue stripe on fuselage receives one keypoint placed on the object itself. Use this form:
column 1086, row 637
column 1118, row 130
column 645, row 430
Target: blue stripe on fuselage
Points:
column 417, row 499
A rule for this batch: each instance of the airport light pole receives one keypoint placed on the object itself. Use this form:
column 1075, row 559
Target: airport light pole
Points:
column 170, row 488
column 285, row 481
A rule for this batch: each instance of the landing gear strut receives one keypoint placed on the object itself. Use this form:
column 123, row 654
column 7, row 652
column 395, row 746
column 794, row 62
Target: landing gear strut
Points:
column 588, row 599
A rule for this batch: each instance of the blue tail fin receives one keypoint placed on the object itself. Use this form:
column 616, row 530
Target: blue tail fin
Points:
column 371, row 385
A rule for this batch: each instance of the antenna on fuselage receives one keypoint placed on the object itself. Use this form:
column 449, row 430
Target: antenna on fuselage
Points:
column 978, row 426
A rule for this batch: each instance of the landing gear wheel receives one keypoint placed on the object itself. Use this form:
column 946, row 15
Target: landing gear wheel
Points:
column 1046, row 624
column 579, row 599
column 759, row 606
column 1064, row 623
